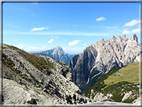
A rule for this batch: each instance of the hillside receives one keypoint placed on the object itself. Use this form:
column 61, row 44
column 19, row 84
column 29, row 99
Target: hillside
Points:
column 36, row 79
column 98, row 59
column 56, row 53
column 120, row 85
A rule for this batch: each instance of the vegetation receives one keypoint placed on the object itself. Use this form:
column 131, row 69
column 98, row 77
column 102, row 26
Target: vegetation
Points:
column 119, row 89
column 50, row 64
column 35, row 60
column 34, row 79
column 67, row 70
column 7, row 61
column 100, row 83
column 37, row 99
column 36, row 91
column 128, row 73
column 117, row 79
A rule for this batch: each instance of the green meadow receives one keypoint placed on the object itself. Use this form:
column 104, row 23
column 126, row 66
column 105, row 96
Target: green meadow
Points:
column 129, row 73
column 118, row 82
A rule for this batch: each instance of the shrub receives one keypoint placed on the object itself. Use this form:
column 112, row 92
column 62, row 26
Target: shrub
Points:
column 36, row 91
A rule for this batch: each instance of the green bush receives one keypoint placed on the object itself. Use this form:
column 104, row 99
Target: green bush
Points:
column 36, row 91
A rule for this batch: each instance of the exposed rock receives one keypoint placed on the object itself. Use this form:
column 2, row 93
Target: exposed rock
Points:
column 100, row 58
column 36, row 79
column 56, row 53
column 134, row 38
column 127, row 95
column 32, row 101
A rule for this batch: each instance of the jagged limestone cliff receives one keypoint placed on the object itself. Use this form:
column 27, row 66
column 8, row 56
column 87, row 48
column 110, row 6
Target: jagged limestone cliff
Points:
column 35, row 79
column 100, row 58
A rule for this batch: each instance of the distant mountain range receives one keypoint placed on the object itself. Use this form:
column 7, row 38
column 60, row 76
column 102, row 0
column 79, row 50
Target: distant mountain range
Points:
column 97, row 60
column 56, row 53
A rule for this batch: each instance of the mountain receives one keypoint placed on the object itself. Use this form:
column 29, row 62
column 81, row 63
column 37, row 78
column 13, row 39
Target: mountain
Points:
column 56, row 53
column 97, row 60
column 120, row 85
column 35, row 79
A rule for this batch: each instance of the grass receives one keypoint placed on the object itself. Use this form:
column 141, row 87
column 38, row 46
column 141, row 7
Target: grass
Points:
column 118, row 93
column 129, row 73
column 67, row 69
column 7, row 61
column 35, row 60
column 36, row 91
column 99, row 85
column 50, row 64
column 37, row 99
column 116, row 80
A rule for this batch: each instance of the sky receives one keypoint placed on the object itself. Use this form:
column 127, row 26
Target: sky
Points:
column 72, row 26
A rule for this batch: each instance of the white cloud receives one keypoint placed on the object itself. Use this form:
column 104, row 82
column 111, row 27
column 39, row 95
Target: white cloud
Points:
column 126, row 31
column 132, row 31
column 75, row 42
column 30, row 48
column 64, row 48
column 65, row 40
column 100, row 19
column 132, row 23
column 50, row 41
column 136, row 30
column 20, row 46
column 40, row 28
column 84, row 44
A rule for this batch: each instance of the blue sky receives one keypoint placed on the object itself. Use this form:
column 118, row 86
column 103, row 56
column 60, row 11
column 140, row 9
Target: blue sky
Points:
column 72, row 26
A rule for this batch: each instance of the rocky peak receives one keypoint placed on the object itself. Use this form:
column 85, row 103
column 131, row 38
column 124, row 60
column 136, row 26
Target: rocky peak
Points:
column 113, row 38
column 92, row 44
column 119, row 38
column 134, row 37
column 116, row 52
column 102, row 41
column 58, row 50
column 58, row 47
column 124, row 37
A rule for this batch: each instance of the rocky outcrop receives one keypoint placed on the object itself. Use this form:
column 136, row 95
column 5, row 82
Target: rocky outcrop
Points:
column 56, row 53
column 36, row 79
column 100, row 58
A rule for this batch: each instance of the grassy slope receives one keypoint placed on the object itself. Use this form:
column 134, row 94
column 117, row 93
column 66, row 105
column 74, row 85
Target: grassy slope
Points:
column 117, row 78
column 129, row 73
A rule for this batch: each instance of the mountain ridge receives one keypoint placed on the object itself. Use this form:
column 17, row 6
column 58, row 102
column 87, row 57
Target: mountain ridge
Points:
column 37, row 79
column 100, row 58
column 125, row 82
column 56, row 53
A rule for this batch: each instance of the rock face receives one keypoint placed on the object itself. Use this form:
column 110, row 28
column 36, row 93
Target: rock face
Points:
column 57, row 54
column 100, row 58
column 36, row 79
